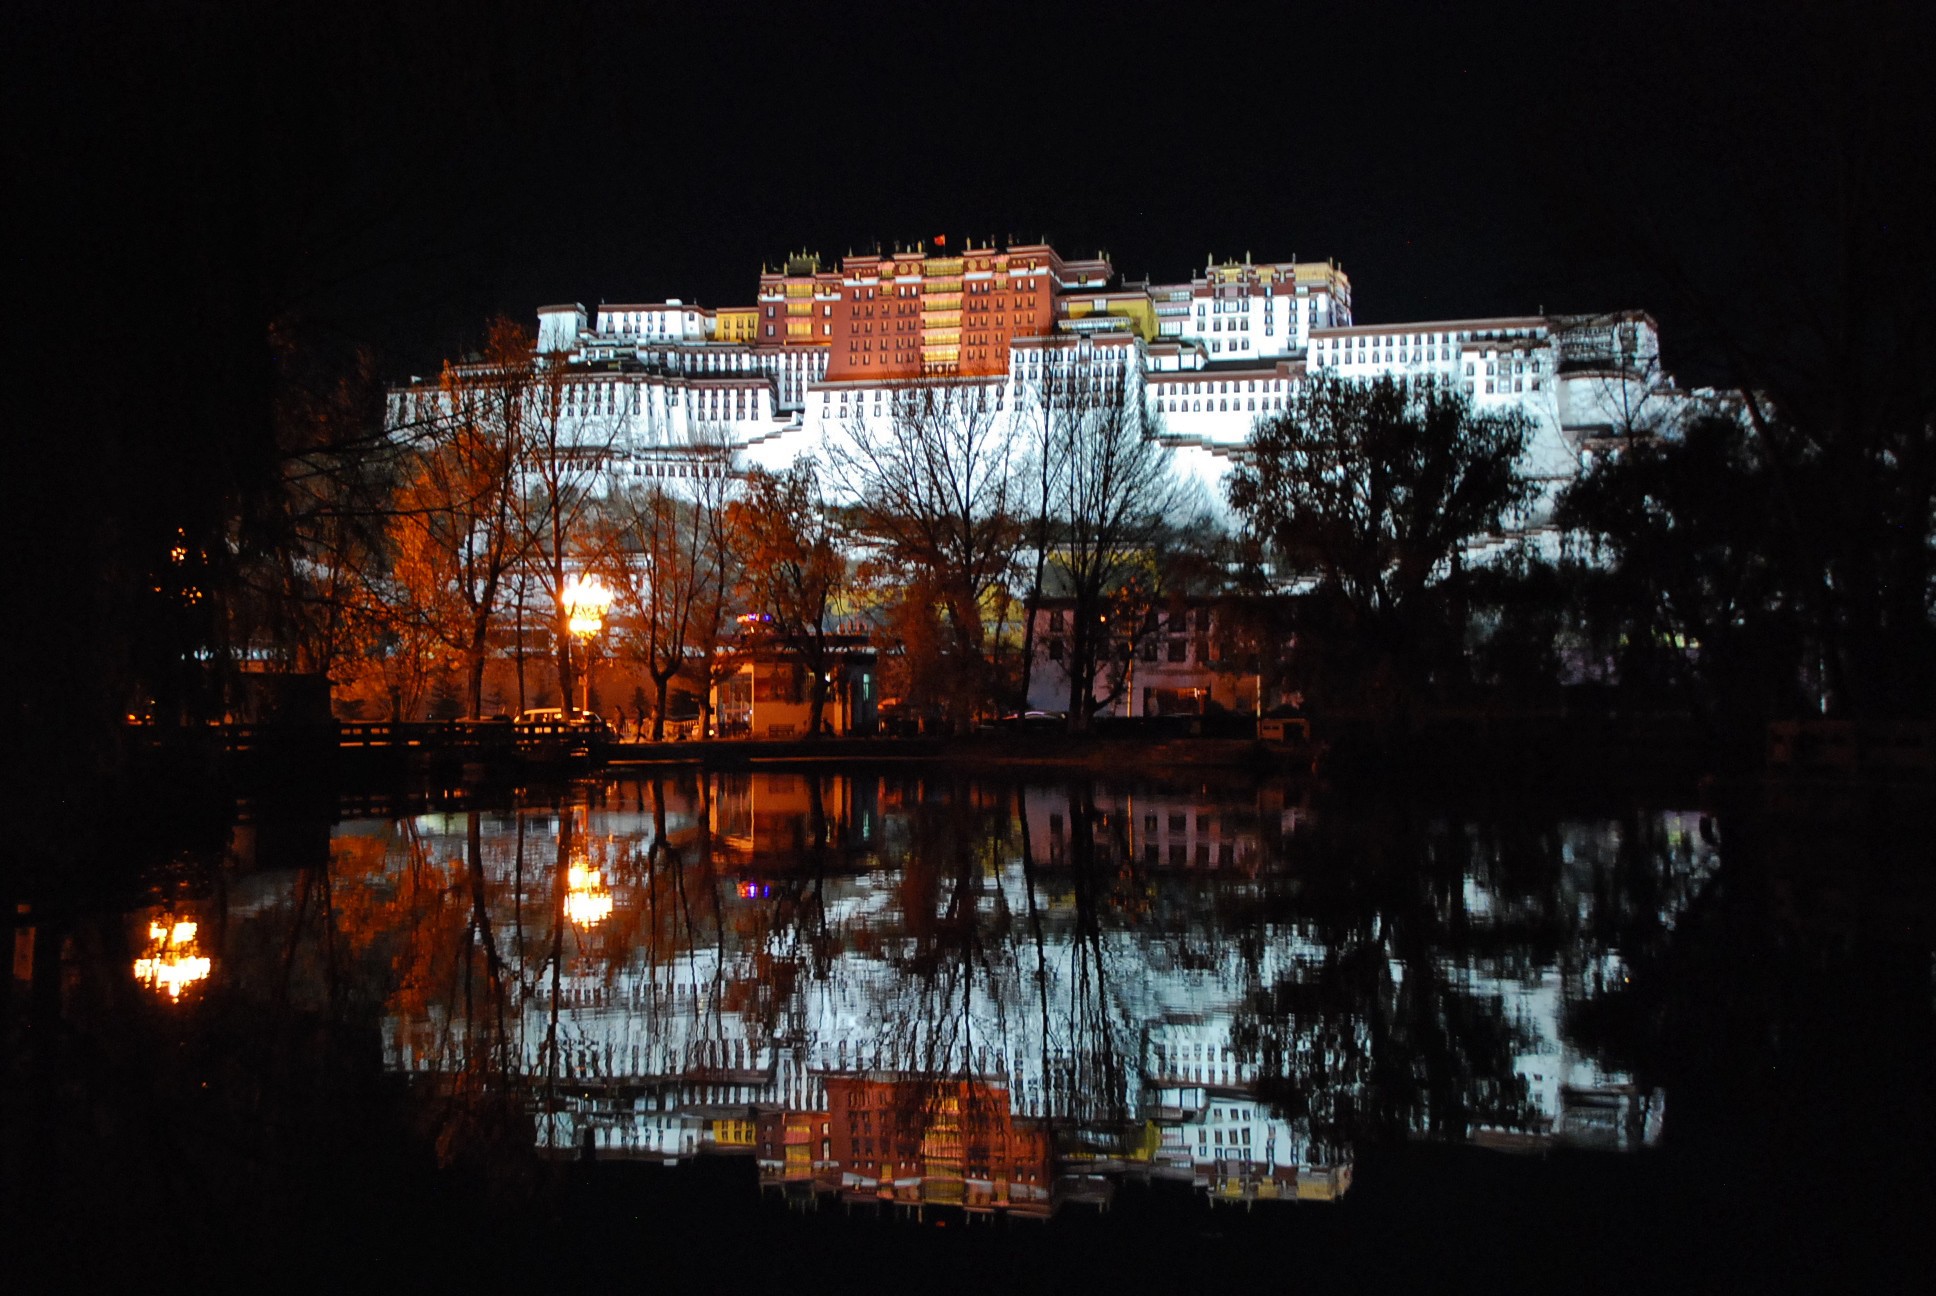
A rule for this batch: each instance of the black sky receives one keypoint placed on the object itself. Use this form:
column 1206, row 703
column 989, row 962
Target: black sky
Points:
column 391, row 174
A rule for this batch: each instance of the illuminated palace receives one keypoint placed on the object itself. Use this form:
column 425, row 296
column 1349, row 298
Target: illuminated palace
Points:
column 825, row 348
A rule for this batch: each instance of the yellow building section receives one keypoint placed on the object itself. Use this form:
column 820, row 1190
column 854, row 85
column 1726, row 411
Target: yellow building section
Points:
column 1322, row 274
column 736, row 324
column 733, row 1133
column 1137, row 308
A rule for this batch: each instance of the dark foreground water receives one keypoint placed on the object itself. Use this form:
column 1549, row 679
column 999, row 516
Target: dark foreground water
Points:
column 828, row 1031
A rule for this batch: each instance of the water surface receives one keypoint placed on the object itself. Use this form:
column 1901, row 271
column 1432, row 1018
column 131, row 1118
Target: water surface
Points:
column 935, row 998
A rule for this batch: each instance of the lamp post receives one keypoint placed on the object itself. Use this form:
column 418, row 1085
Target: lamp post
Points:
column 586, row 600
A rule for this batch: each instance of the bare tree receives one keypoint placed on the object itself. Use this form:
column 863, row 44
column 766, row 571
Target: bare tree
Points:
column 1117, row 496
column 657, row 560
column 934, row 485
column 311, row 558
column 675, row 556
column 1043, row 407
column 567, row 441
column 715, row 487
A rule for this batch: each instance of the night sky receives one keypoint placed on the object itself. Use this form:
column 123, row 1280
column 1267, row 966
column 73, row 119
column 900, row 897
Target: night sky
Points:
column 391, row 174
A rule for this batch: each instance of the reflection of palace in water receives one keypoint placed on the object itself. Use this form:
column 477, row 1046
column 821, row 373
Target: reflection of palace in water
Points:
column 933, row 994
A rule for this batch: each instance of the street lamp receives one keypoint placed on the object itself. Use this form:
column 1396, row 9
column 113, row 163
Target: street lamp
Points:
column 586, row 600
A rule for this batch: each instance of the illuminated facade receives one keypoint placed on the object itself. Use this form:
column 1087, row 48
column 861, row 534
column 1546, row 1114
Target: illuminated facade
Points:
column 826, row 349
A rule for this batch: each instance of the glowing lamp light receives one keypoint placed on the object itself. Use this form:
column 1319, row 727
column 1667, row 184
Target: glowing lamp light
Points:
column 588, row 901
column 587, row 600
column 172, row 961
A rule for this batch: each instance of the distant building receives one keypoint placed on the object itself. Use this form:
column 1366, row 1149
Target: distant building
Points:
column 1186, row 657
column 771, row 694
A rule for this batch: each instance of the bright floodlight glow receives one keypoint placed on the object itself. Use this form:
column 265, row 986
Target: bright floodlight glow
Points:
column 586, row 601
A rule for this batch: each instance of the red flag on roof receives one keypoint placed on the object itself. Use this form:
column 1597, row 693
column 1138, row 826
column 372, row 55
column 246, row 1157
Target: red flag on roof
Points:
column 941, row 240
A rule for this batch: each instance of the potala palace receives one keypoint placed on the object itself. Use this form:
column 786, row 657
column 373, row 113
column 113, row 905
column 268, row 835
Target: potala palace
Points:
column 646, row 386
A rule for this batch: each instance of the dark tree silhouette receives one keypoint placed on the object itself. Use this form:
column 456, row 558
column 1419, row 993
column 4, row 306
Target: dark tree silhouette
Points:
column 1375, row 491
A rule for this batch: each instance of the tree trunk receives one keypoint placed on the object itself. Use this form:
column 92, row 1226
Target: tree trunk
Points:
column 1031, row 605
column 966, row 679
column 518, row 649
column 660, row 682
column 817, row 700
column 474, row 686
column 567, row 669
column 1082, row 678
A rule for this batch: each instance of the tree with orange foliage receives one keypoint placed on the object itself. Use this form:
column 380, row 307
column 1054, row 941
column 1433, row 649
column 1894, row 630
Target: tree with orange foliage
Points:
column 455, row 529
column 793, row 570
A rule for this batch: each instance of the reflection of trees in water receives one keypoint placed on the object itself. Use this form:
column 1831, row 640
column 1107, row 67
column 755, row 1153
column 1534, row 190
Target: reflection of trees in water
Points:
column 941, row 1003
column 1364, row 971
column 1091, row 1069
column 405, row 920
column 1424, row 934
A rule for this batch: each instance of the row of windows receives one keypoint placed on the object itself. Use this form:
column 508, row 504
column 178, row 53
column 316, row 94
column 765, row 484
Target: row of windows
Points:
column 1180, row 855
column 1179, row 821
column 1224, row 825
column 679, row 470
column 1427, row 339
column 1237, row 298
column 1429, row 354
column 1220, row 406
column 1173, row 650
column 1218, row 387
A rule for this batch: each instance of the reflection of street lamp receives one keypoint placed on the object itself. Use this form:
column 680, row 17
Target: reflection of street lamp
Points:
column 173, row 960
column 586, row 602
column 588, row 901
